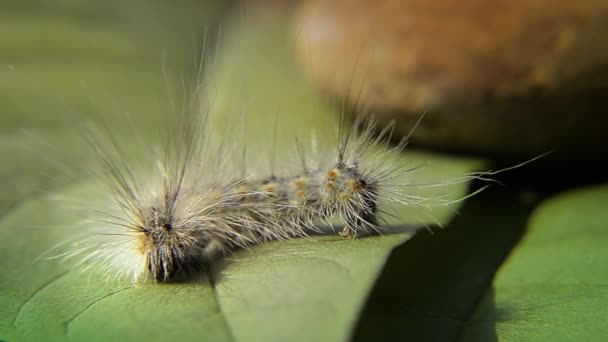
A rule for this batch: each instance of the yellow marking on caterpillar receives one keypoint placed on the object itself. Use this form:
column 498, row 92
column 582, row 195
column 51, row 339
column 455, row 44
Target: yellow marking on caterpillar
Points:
column 353, row 184
column 343, row 197
column 270, row 187
column 300, row 183
column 333, row 174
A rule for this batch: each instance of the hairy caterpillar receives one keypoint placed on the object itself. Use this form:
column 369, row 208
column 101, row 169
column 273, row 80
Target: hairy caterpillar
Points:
column 188, row 213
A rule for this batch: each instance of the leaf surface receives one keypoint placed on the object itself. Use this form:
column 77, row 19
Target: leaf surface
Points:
column 553, row 286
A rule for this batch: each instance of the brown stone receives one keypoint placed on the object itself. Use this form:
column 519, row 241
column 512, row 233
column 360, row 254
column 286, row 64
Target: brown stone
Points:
column 506, row 77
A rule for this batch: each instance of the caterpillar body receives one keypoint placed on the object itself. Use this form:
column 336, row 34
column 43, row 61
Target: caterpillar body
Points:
column 189, row 216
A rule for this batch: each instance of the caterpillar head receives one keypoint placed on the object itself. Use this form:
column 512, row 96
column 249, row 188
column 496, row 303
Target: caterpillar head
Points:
column 168, row 244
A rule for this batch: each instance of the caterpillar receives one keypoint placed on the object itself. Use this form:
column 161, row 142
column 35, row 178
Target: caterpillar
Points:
column 197, row 206
column 186, row 216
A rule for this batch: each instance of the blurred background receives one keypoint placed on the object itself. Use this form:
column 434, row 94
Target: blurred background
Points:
column 506, row 78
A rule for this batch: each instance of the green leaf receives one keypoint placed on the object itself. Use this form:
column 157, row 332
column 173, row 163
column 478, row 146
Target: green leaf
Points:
column 553, row 287
column 305, row 289
column 272, row 291
column 431, row 285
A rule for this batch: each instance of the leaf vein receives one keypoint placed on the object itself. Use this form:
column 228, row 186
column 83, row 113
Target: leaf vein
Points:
column 69, row 321
column 42, row 287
